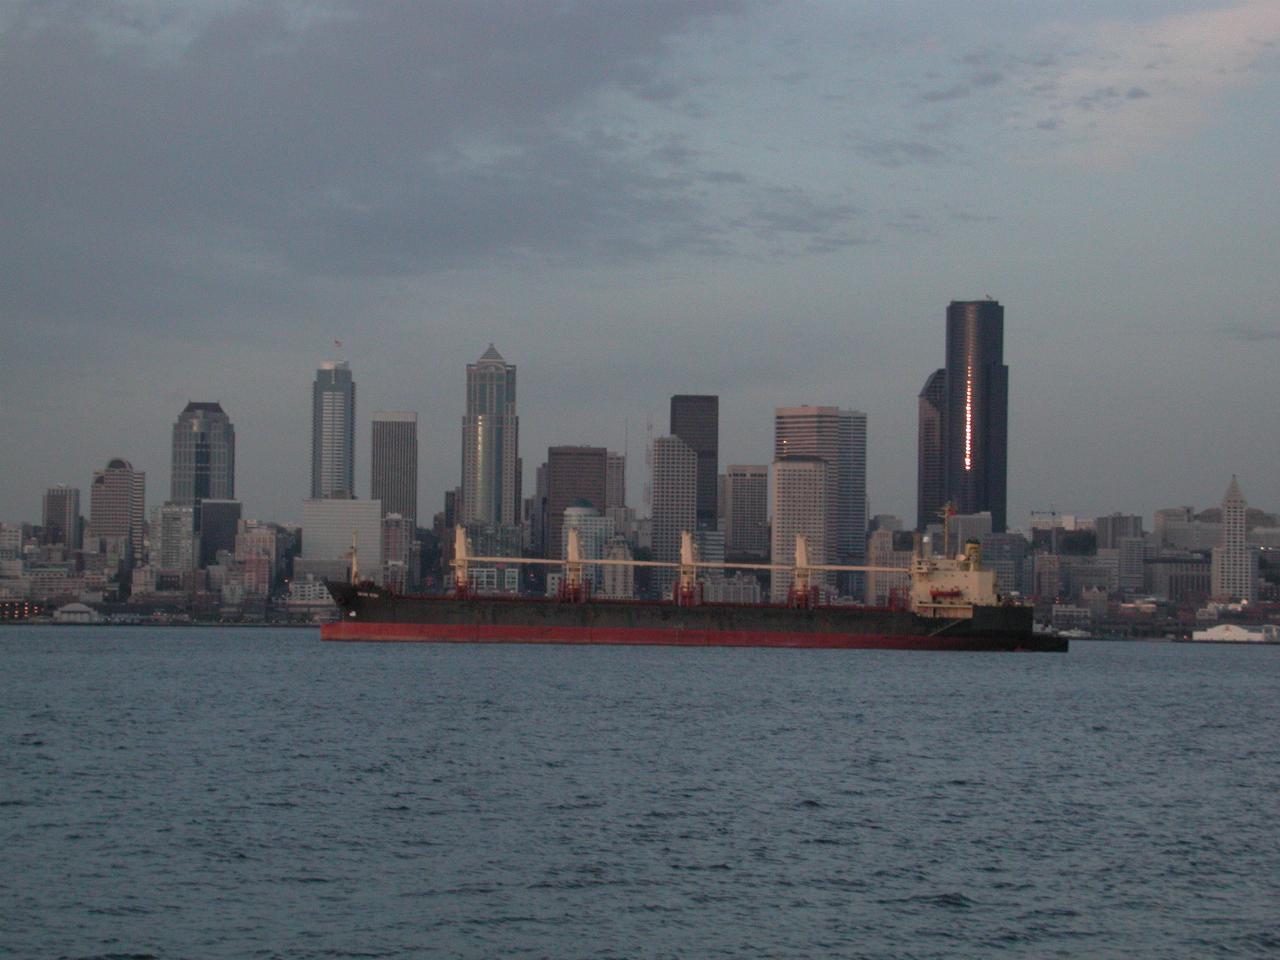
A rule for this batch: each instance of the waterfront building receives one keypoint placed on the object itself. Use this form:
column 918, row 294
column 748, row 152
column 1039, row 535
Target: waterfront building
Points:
column 117, row 504
column 330, row 528
column 60, row 517
column 576, row 476
column 491, row 443
column 393, row 458
column 746, row 510
column 399, row 566
column 203, row 455
column 931, row 473
column 675, row 504
column 333, row 432
column 1235, row 563
column 965, row 527
column 695, row 419
column 800, row 489
column 838, row 437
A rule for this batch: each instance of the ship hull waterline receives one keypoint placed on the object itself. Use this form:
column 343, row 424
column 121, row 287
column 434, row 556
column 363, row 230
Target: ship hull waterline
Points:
column 376, row 617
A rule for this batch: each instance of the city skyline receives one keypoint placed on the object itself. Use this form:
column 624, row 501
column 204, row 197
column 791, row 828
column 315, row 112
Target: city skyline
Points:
column 764, row 204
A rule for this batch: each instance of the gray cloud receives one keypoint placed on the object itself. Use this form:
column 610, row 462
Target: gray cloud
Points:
column 1251, row 333
column 954, row 92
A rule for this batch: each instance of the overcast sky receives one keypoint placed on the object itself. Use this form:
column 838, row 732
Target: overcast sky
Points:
column 772, row 202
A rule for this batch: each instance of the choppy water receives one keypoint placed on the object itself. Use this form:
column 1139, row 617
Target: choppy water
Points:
column 256, row 793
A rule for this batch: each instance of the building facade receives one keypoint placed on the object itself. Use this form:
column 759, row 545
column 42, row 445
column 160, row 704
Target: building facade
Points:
column 931, row 467
column 615, row 488
column 746, row 510
column 695, row 419
column 490, row 443
column 840, row 438
column 204, row 455
column 60, row 517
column 675, row 504
column 333, row 432
column 1235, row 563
column 117, row 505
column 800, row 489
column 331, row 528
column 977, row 411
column 393, row 459
column 576, row 476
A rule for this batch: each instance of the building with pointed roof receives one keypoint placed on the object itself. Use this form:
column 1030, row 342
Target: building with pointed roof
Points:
column 1234, row 572
column 491, row 443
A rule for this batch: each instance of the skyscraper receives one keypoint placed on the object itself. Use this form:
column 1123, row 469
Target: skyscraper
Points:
column 575, row 476
column 393, row 457
column 931, row 472
column 117, row 498
column 695, row 419
column 675, row 503
column 800, row 491
column 61, row 517
column 977, row 409
column 746, row 511
column 204, row 455
column 615, row 491
column 840, row 438
column 1235, row 563
column 333, row 432
column 490, row 443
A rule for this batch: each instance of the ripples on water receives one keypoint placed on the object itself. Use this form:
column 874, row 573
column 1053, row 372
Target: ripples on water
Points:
column 255, row 793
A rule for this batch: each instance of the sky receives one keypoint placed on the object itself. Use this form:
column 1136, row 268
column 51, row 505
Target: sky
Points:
column 773, row 202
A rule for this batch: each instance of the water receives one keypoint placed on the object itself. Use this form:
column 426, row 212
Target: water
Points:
column 256, row 793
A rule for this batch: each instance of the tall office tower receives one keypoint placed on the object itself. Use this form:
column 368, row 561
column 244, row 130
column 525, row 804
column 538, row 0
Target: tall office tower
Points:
column 490, row 443
column 931, row 470
column 575, row 475
column 696, row 421
column 333, row 432
column 800, row 491
column 1116, row 527
column 1235, row 563
column 840, row 438
column 394, row 463
column 204, row 455
column 977, row 411
column 615, row 489
column 61, row 517
column 675, row 504
column 117, row 499
column 746, row 511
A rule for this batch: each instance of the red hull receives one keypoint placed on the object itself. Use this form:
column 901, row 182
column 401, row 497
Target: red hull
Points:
column 680, row 637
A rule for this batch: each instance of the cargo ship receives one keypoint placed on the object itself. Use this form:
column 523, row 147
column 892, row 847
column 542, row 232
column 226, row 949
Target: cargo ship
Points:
column 952, row 604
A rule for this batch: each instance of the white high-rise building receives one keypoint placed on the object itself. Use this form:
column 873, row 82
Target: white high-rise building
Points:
column 491, row 443
column 746, row 510
column 1234, row 572
column 333, row 432
column 675, row 503
column 799, row 491
column 617, row 582
column 840, row 438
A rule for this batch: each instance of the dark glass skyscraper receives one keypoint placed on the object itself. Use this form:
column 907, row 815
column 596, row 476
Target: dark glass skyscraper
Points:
column 931, row 486
column 695, row 419
column 204, row 455
column 977, row 411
